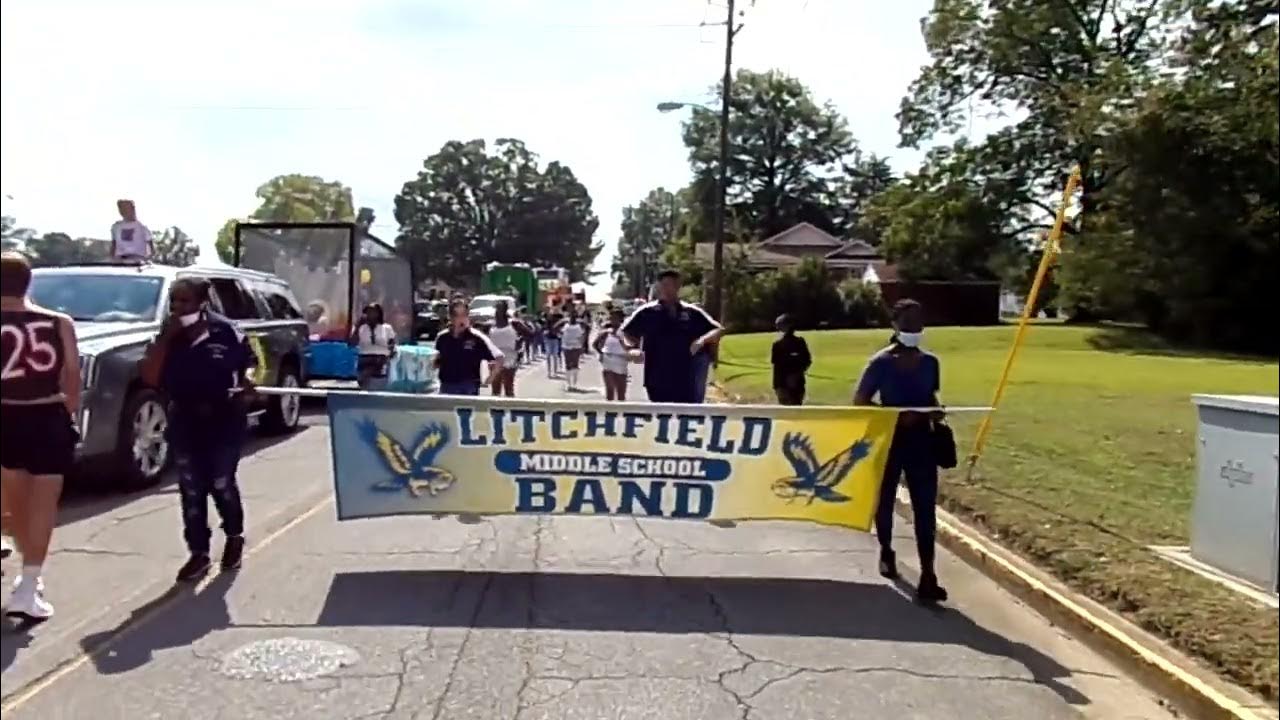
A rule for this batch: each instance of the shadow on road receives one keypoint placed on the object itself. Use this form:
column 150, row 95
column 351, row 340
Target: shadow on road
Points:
column 114, row 651
column 85, row 498
column 668, row 605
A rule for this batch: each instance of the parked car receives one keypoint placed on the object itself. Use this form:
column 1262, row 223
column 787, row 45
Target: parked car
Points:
column 117, row 310
column 484, row 307
column 429, row 318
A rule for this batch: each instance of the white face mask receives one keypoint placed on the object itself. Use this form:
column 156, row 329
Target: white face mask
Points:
column 189, row 320
column 910, row 340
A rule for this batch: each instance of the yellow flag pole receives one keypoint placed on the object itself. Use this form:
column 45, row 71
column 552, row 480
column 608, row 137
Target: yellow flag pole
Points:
column 1051, row 248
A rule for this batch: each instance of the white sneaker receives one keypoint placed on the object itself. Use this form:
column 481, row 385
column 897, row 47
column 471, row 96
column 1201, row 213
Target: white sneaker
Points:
column 17, row 582
column 28, row 604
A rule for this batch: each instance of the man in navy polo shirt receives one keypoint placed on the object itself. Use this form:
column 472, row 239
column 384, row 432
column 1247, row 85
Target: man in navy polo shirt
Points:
column 459, row 352
column 671, row 333
column 202, row 361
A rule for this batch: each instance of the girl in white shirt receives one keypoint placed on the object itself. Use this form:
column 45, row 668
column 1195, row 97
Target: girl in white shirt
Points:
column 505, row 335
column 573, row 340
column 614, row 356
column 375, row 342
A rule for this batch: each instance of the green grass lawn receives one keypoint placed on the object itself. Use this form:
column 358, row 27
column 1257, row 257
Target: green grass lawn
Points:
column 1090, row 459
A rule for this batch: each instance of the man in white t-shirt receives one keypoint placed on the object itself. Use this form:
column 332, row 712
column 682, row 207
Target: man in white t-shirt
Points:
column 130, row 239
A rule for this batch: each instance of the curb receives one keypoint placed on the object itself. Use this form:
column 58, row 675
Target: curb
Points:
column 1194, row 692
column 1160, row 668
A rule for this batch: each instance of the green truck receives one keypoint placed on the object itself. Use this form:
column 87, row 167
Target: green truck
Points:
column 517, row 279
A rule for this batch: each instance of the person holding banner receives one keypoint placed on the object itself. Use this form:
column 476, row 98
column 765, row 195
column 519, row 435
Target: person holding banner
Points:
column 203, row 362
column 671, row 333
column 460, row 351
column 905, row 376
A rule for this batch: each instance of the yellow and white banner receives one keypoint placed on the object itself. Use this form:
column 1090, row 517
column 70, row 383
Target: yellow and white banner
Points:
column 405, row 454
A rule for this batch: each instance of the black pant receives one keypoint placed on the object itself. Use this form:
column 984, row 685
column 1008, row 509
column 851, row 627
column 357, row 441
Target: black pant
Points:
column 790, row 395
column 670, row 395
column 911, row 455
column 207, row 468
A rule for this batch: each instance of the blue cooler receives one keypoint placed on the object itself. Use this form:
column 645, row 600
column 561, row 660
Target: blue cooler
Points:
column 331, row 359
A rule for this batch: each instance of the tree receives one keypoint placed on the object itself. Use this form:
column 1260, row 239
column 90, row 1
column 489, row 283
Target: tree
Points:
column 292, row 198
column 940, row 232
column 13, row 237
column 648, row 227
column 174, row 247
column 1076, row 68
column 1188, row 241
column 863, row 180
column 786, row 155
column 57, row 248
column 471, row 205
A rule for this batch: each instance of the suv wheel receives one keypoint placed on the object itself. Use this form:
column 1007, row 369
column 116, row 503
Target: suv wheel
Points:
column 143, row 452
column 284, row 411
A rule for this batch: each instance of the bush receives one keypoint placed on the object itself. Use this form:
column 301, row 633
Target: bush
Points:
column 862, row 305
column 807, row 293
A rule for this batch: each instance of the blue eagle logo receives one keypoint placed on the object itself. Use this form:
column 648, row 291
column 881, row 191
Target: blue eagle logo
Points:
column 811, row 481
column 412, row 469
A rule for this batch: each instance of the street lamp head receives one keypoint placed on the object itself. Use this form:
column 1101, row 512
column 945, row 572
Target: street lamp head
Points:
column 669, row 106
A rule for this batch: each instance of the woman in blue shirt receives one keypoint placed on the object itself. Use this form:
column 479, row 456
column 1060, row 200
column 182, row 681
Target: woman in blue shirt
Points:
column 201, row 361
column 903, row 375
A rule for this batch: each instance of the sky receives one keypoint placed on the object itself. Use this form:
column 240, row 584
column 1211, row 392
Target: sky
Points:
column 187, row 106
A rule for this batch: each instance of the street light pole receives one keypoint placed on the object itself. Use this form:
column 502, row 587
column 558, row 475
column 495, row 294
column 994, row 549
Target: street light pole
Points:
column 715, row 301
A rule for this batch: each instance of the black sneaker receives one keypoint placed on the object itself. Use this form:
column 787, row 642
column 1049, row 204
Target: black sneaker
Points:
column 929, row 592
column 232, row 552
column 194, row 568
column 888, row 565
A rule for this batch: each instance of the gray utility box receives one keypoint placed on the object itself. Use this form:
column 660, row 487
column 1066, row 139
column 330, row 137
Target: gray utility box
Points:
column 1234, row 519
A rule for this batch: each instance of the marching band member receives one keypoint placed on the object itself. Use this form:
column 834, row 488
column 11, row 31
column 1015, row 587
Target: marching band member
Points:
column 614, row 357
column 505, row 335
column 40, row 394
column 375, row 342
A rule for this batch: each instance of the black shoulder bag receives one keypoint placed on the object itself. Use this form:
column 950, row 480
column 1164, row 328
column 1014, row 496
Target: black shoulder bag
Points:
column 944, row 445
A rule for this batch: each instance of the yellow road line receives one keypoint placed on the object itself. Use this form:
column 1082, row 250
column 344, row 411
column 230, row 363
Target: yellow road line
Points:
column 21, row 698
column 1226, row 705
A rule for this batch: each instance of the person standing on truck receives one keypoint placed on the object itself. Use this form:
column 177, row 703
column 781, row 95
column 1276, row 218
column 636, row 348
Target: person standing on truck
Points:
column 203, row 362
column 130, row 239
column 40, row 394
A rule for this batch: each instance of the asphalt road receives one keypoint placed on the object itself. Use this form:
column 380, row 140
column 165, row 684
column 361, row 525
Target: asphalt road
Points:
column 557, row 618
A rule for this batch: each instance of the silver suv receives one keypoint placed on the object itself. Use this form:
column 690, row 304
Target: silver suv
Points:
column 117, row 310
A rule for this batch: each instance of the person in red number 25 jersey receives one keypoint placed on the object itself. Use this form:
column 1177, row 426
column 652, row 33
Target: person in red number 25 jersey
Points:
column 40, row 393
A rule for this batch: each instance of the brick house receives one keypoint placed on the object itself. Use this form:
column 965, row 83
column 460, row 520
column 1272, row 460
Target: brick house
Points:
column 796, row 244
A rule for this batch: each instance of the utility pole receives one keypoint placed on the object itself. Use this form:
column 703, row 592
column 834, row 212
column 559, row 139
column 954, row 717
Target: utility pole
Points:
column 715, row 302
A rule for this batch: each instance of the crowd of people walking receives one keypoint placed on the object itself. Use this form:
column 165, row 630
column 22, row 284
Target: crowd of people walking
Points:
column 204, row 366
